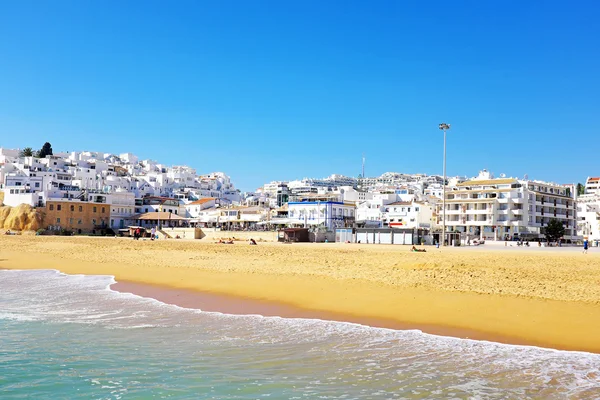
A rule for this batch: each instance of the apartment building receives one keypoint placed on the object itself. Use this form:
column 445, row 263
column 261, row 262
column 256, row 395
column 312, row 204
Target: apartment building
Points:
column 588, row 217
column 76, row 215
column 122, row 208
column 592, row 185
column 508, row 208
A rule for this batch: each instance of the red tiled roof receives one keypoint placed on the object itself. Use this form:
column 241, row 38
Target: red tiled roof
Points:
column 593, row 179
column 202, row 201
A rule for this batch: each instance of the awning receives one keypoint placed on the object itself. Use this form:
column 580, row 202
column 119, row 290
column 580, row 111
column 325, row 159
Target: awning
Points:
column 158, row 216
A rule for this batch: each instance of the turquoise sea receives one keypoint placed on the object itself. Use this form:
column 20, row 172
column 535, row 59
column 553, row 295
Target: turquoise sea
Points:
column 72, row 337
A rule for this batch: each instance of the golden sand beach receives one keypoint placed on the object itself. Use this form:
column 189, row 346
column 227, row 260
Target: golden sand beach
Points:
column 547, row 297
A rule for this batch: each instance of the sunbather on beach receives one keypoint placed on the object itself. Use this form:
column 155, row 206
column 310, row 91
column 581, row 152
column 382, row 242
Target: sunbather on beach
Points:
column 418, row 250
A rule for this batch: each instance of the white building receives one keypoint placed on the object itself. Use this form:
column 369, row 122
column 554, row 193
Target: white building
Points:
column 592, row 185
column 161, row 204
column 508, row 208
column 8, row 155
column 370, row 213
column 588, row 217
column 195, row 208
column 408, row 214
column 329, row 214
column 121, row 209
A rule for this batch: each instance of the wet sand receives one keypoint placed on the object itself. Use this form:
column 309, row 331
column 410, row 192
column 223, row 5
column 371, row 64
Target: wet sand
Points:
column 546, row 297
column 213, row 302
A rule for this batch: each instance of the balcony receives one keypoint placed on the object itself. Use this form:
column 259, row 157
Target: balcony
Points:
column 453, row 212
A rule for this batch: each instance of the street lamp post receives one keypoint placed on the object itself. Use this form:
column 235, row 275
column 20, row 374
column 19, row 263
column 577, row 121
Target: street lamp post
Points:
column 318, row 220
column 444, row 127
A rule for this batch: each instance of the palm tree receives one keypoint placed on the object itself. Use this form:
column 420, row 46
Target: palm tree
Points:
column 26, row 152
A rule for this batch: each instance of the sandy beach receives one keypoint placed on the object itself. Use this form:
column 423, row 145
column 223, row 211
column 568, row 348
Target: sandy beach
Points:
column 548, row 297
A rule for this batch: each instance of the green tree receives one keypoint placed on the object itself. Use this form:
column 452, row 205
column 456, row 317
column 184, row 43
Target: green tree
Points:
column 554, row 230
column 26, row 152
column 580, row 189
column 45, row 151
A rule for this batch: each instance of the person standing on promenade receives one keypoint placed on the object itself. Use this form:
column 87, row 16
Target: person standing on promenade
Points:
column 585, row 246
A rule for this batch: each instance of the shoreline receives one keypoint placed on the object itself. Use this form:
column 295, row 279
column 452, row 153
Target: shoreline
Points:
column 544, row 299
column 234, row 305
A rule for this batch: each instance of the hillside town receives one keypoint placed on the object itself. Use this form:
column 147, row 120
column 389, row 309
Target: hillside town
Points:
column 89, row 192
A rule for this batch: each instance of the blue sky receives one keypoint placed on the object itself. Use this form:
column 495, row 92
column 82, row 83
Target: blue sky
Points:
column 279, row 90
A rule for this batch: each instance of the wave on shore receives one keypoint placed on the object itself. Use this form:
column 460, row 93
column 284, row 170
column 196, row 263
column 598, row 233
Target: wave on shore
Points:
column 320, row 357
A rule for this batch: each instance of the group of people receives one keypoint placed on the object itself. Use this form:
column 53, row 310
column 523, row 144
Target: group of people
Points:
column 251, row 242
column 141, row 232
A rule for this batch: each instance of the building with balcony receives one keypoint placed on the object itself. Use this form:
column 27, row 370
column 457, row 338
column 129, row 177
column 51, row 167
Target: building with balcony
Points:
column 592, row 185
column 588, row 217
column 508, row 208
column 122, row 209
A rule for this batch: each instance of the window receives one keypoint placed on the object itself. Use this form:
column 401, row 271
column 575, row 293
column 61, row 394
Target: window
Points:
column 58, row 207
column 79, row 222
column 417, row 209
column 51, row 207
column 103, row 210
column 58, row 220
column 95, row 209
column 71, row 221
column 93, row 222
column 80, row 208
column 37, row 184
column 72, row 208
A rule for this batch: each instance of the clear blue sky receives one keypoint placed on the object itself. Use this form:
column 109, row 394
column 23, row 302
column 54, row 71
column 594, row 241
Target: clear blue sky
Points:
column 279, row 90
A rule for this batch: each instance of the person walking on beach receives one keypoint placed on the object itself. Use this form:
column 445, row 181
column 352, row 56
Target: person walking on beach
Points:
column 153, row 233
column 585, row 246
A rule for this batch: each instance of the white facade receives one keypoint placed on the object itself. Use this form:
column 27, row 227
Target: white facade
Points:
column 588, row 217
column 592, row 185
column 507, row 208
column 121, row 209
column 408, row 214
column 349, row 194
column 8, row 155
column 195, row 208
column 329, row 214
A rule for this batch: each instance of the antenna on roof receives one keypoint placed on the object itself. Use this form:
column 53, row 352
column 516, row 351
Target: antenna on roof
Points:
column 525, row 177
